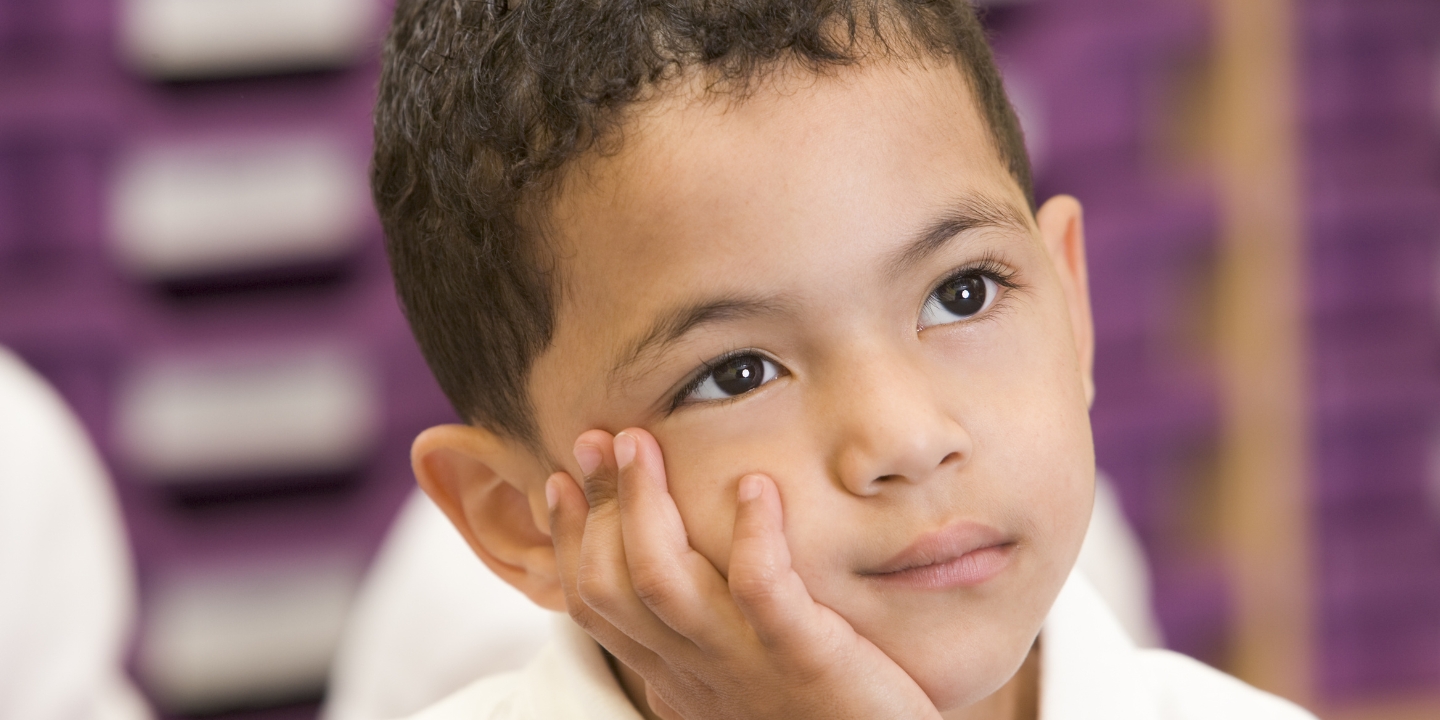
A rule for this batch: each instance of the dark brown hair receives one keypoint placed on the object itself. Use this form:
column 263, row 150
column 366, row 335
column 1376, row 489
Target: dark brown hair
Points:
column 483, row 102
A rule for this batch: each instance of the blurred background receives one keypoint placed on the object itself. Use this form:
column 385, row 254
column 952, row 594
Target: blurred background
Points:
column 188, row 254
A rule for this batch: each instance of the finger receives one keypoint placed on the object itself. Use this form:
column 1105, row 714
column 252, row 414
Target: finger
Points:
column 765, row 587
column 568, row 513
column 602, row 576
column 594, row 453
column 679, row 585
column 658, row 705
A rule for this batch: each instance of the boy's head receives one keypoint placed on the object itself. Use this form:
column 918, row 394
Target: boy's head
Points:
column 793, row 238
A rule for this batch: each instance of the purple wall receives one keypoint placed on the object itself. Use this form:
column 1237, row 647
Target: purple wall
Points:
column 1103, row 69
column 68, row 111
column 1372, row 120
column 1095, row 74
column 1107, row 71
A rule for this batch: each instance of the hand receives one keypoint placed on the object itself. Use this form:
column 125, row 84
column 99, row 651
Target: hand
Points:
column 757, row 646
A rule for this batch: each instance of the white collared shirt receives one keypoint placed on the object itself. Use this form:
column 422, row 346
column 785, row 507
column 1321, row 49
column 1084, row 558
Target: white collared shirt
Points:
column 1089, row 670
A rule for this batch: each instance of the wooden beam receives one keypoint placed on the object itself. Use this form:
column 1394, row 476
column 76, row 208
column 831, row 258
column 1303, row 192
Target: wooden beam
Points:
column 1264, row 499
column 1420, row 708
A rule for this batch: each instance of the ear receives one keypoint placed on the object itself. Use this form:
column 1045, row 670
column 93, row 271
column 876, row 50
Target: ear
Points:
column 491, row 489
column 1062, row 228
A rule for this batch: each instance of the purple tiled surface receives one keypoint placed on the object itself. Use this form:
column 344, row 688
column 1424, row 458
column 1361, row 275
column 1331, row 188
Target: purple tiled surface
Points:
column 1372, row 172
column 1371, row 89
column 1370, row 121
column 1102, row 67
column 68, row 110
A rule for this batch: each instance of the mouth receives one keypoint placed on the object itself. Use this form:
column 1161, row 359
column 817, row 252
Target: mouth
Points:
column 964, row 554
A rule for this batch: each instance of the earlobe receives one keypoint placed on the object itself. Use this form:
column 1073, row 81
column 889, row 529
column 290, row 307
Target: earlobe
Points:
column 1062, row 228
column 483, row 485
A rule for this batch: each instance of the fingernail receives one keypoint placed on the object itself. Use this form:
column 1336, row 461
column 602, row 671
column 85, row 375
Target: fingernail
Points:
column 624, row 449
column 552, row 492
column 749, row 488
column 589, row 458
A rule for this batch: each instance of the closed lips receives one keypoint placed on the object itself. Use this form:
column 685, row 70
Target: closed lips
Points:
column 964, row 553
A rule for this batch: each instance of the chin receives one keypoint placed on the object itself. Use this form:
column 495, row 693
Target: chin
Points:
column 969, row 675
column 959, row 692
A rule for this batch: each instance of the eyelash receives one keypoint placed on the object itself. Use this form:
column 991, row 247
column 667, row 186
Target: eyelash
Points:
column 703, row 374
column 988, row 266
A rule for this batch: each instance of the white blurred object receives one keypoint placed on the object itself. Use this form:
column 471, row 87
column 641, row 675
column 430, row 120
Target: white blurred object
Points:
column 187, row 210
column 67, row 590
column 312, row 411
column 1113, row 560
column 429, row 620
column 195, row 39
column 432, row 618
column 222, row 638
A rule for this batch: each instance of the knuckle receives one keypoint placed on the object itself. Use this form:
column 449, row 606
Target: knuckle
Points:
column 584, row 617
column 601, row 487
column 603, row 511
column 655, row 583
column 754, row 583
column 596, row 586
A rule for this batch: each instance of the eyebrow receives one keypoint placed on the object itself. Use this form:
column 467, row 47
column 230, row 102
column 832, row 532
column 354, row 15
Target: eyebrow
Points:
column 969, row 214
column 676, row 324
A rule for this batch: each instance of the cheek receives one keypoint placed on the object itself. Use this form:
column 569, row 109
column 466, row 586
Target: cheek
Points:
column 1043, row 445
column 705, row 460
column 1018, row 391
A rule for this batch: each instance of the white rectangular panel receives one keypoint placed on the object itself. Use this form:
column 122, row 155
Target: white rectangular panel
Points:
column 190, row 210
column 307, row 412
column 193, row 39
column 246, row 635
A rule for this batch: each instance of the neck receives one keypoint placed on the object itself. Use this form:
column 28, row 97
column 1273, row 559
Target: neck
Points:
column 1018, row 699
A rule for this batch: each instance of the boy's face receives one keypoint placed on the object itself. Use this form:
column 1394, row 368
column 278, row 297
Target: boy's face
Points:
column 898, row 345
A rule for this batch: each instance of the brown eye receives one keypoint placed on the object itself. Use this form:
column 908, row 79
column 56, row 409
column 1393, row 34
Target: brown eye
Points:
column 741, row 375
column 735, row 376
column 964, row 296
column 959, row 298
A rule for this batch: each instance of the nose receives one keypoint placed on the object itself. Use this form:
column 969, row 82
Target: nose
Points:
column 890, row 425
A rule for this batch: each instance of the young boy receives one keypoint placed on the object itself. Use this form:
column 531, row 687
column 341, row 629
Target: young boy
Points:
column 793, row 244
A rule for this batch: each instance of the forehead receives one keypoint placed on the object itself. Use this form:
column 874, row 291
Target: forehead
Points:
column 880, row 132
column 711, row 195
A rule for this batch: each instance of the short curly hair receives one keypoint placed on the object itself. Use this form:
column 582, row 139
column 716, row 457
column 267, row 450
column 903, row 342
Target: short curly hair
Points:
column 483, row 102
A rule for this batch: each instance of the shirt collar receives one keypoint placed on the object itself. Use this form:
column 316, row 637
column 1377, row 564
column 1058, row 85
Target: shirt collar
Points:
column 1088, row 663
column 1088, row 668
column 572, row 679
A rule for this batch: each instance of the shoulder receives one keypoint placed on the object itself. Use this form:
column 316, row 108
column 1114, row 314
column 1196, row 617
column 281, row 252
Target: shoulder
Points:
column 30, row 408
column 569, row 680
column 493, row 698
column 1188, row 689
